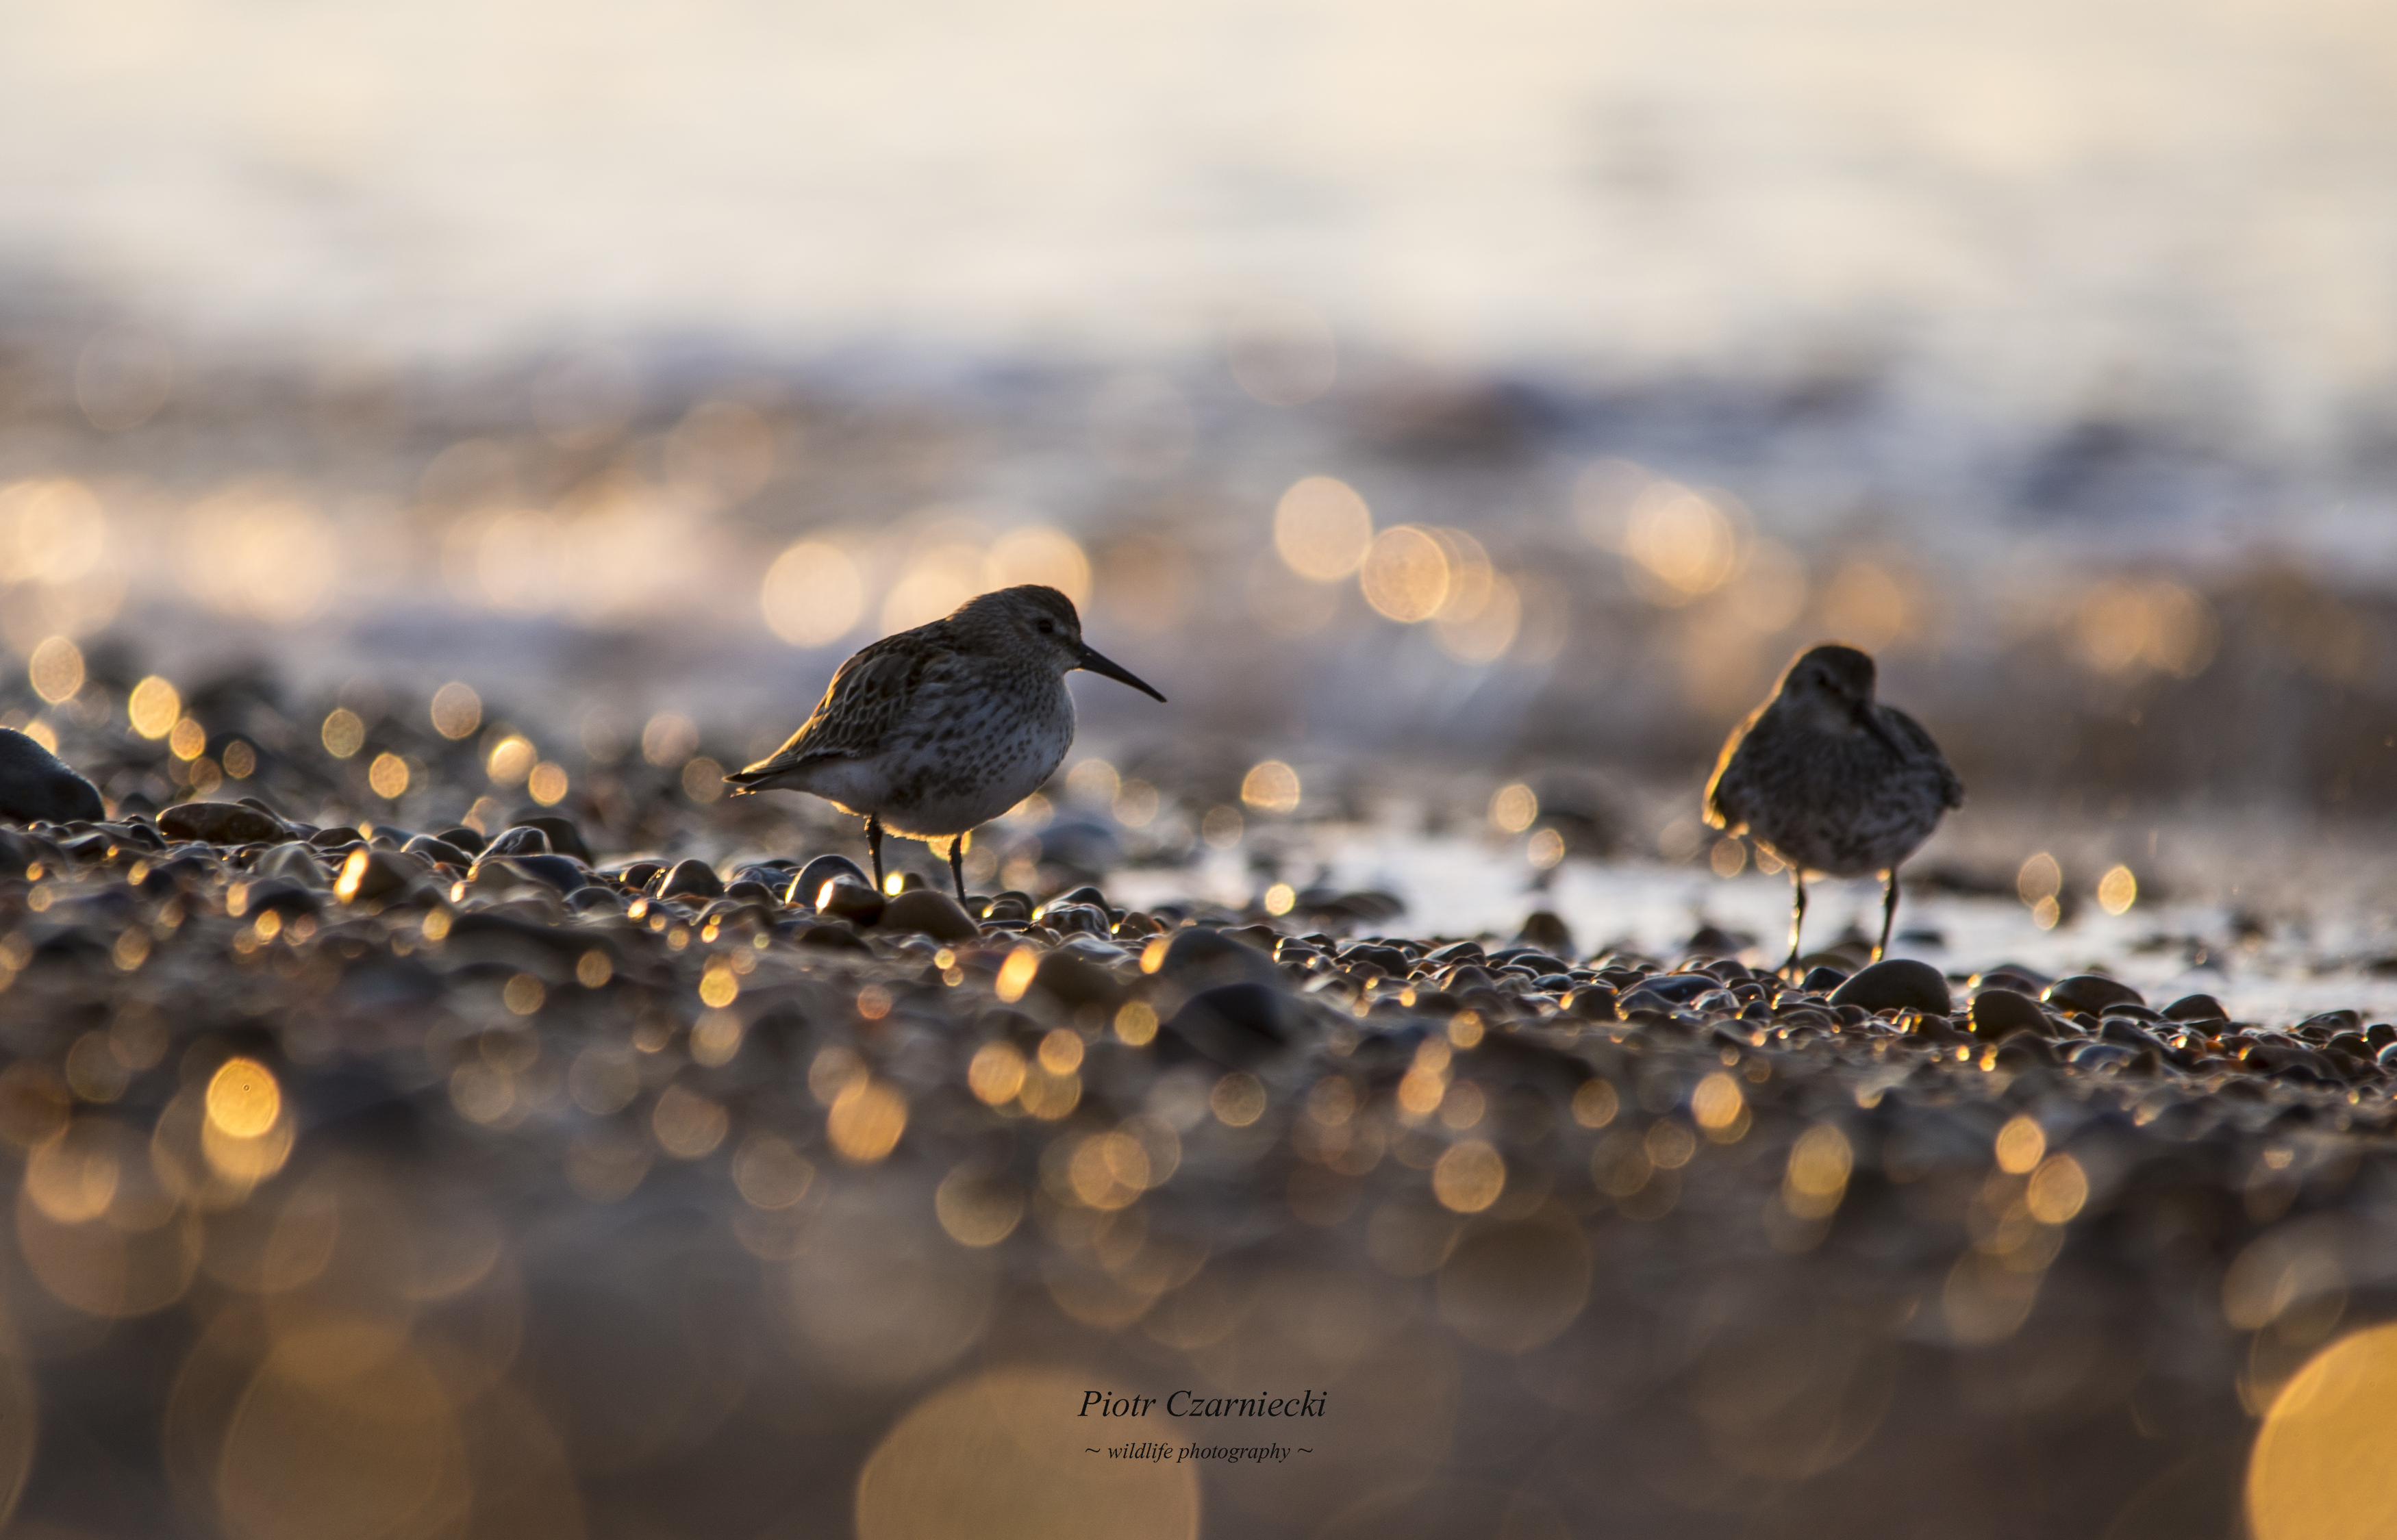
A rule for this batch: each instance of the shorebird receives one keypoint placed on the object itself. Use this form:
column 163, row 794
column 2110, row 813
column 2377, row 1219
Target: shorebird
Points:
column 933, row 731
column 1831, row 781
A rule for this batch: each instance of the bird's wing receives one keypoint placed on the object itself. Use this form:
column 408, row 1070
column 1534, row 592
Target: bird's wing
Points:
column 868, row 697
column 1722, row 805
column 1915, row 736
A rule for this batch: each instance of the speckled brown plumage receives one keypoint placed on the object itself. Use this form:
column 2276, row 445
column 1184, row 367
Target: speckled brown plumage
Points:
column 934, row 731
column 1831, row 781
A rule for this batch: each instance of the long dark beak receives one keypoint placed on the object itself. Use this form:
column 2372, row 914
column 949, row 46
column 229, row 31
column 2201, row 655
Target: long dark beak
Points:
column 1092, row 659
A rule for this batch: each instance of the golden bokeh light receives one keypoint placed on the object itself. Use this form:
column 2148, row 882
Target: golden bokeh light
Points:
column 187, row 740
column 260, row 555
column 975, row 1207
column 1270, row 786
column 1042, row 554
column 1136, row 1023
column 1405, row 575
column 511, row 759
column 1061, row 1051
column 865, row 1120
column 668, row 739
column 2117, row 890
column 995, row 1073
column 1322, row 529
column 51, row 531
column 1513, row 807
column 1720, row 1107
column 721, row 452
column 1000, row 1458
column 2039, row 878
column 1094, row 780
column 343, row 732
column 243, row 1100
column 388, row 777
column 947, row 568
column 813, row 595
column 1237, row 1100
column 1769, row 593
column 1595, row 1103
column 154, row 707
column 548, row 784
column 2020, row 1144
column 1681, row 543
column 1015, row 974
column 770, row 1173
column 55, row 670
column 2057, row 1190
column 1468, row 1177
column 2132, row 627
column 457, row 710
column 2315, row 1471
column 686, row 1124
column 1867, row 605
column 1817, row 1175
column 1485, row 632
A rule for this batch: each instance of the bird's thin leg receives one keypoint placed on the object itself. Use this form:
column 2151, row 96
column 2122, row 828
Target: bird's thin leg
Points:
column 1888, row 910
column 874, row 845
column 957, row 864
column 1797, row 918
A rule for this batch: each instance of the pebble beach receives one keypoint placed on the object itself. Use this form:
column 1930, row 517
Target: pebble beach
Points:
column 519, row 1177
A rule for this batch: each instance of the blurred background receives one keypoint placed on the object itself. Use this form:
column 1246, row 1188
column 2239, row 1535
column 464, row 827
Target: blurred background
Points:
column 1434, row 402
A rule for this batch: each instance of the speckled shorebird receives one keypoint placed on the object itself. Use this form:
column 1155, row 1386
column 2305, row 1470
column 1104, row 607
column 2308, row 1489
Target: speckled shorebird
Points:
column 1831, row 781
column 933, row 731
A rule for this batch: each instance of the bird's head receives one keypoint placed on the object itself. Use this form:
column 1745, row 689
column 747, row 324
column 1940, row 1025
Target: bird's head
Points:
column 1041, row 622
column 1830, row 681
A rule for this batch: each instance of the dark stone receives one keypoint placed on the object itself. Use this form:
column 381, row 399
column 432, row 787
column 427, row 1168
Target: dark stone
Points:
column 1897, row 984
column 1822, row 981
column 1235, row 1024
column 758, row 893
column 37, row 787
column 519, row 840
column 1389, row 959
column 809, row 884
column 334, row 838
column 1680, row 988
column 369, row 875
column 1009, row 906
column 1084, row 894
column 1713, row 941
column 564, row 837
column 1594, row 1002
column 1455, row 952
column 1197, row 959
column 850, row 900
column 2293, row 1062
column 550, row 871
column 2091, row 993
column 434, row 849
column 635, row 877
column 2021, row 1051
column 1076, row 920
column 1996, row 1013
column 221, row 824
column 691, row 878
column 284, row 898
column 930, row 912
column 1547, row 931
column 832, row 936
column 1073, row 979
column 467, row 839
column 2196, row 1007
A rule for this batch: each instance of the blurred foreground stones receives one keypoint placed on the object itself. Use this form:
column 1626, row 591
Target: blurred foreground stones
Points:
column 512, row 1174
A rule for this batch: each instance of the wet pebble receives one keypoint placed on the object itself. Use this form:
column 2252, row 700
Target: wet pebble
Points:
column 1897, row 984
column 220, row 824
column 929, row 912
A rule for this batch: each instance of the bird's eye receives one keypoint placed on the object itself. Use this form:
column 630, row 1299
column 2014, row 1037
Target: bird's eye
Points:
column 1048, row 628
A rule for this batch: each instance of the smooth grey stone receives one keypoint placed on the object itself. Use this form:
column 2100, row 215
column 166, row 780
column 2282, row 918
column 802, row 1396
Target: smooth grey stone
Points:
column 294, row 862
column 1235, row 1024
column 2196, row 1008
column 438, row 849
column 930, row 912
column 691, row 878
column 1822, row 981
column 221, row 824
column 564, row 837
column 38, row 787
column 467, row 839
column 2091, row 993
column 1897, row 984
column 805, row 888
column 850, row 900
column 1199, row 959
column 522, row 839
column 1996, row 1013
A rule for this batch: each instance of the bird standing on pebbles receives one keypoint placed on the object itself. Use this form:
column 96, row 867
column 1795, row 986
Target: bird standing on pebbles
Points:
column 933, row 731
column 1831, row 781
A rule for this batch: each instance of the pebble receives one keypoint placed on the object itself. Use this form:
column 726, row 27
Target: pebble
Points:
column 1996, row 1013
column 854, row 902
column 519, row 840
column 929, row 912
column 37, row 787
column 1235, row 1024
column 1198, row 958
column 2091, row 994
column 221, row 824
column 1897, row 984
column 693, row 878
column 807, row 886
column 564, row 837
